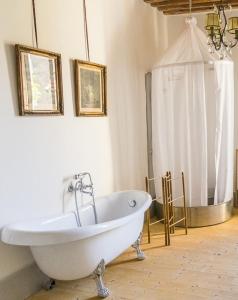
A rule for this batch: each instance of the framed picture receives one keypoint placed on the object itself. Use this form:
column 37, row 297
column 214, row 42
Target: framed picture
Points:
column 40, row 90
column 90, row 85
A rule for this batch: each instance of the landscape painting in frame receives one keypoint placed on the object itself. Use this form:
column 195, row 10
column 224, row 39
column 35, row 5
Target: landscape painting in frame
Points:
column 90, row 89
column 39, row 77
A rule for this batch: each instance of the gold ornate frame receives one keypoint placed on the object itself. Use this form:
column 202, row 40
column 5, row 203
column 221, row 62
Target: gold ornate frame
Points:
column 20, row 81
column 103, row 71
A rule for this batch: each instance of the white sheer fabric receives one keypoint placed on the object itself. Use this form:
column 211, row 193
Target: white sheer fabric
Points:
column 224, row 131
column 192, row 118
column 191, row 46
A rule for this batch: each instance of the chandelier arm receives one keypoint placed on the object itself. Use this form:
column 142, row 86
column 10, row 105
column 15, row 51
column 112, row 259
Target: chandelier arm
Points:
column 231, row 45
column 222, row 32
column 217, row 27
column 216, row 45
column 224, row 43
column 225, row 19
column 234, row 44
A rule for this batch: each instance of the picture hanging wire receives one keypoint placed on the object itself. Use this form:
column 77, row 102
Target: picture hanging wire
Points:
column 34, row 23
column 86, row 30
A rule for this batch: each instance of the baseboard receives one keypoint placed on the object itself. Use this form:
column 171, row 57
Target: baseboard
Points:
column 235, row 197
column 22, row 284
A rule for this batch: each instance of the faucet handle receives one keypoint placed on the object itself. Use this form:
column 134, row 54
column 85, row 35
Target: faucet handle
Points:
column 80, row 175
column 71, row 187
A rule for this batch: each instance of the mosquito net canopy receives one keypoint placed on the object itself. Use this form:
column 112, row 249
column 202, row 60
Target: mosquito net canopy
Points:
column 192, row 118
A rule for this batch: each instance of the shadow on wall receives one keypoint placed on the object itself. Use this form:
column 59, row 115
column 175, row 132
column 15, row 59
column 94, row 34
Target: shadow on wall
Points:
column 11, row 67
column 131, row 52
column 14, row 257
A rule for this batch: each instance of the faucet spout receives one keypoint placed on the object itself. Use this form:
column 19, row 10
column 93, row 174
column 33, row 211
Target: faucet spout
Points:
column 83, row 189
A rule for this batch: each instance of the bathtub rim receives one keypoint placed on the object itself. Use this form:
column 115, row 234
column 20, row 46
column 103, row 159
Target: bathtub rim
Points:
column 13, row 235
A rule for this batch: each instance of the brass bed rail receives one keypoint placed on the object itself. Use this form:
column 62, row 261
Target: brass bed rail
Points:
column 169, row 204
column 148, row 218
column 168, row 201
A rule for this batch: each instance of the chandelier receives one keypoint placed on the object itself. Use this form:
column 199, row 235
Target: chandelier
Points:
column 217, row 27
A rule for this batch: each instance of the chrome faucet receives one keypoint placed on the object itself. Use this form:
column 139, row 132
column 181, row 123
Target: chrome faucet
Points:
column 83, row 189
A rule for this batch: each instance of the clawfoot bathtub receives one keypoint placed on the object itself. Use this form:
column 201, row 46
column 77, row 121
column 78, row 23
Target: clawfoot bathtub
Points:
column 64, row 251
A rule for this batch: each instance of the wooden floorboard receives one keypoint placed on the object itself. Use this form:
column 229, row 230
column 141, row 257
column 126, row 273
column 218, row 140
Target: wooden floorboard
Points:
column 202, row 265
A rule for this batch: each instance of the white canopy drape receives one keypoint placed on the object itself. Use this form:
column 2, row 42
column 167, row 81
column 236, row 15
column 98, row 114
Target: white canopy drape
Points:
column 192, row 118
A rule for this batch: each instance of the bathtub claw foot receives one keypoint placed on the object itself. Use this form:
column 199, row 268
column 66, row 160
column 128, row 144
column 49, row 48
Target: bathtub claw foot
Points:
column 140, row 254
column 49, row 284
column 103, row 292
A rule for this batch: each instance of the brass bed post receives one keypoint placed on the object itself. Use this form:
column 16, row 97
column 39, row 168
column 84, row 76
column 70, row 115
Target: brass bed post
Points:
column 148, row 210
column 172, row 230
column 165, row 211
column 148, row 217
column 169, row 205
column 184, row 205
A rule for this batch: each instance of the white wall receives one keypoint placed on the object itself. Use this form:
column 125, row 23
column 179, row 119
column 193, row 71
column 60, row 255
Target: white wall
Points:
column 39, row 154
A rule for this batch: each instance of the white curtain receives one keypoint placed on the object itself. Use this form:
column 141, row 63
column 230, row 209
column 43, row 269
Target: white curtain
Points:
column 224, row 131
column 192, row 128
column 179, row 126
column 192, row 118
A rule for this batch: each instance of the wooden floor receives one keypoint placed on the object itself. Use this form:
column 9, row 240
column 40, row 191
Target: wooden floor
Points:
column 202, row 265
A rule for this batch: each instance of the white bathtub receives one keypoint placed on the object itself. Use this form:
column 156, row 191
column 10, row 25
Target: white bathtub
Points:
column 64, row 251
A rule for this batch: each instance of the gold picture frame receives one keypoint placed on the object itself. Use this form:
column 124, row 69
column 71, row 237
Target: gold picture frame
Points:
column 39, row 78
column 90, row 89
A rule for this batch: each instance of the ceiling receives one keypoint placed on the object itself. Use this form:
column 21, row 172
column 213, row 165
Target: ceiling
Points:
column 175, row 7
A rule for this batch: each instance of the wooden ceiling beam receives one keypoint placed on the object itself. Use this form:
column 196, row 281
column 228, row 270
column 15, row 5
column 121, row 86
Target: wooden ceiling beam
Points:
column 182, row 6
column 185, row 7
column 178, row 11
column 153, row 1
column 184, row 10
column 158, row 2
column 196, row 5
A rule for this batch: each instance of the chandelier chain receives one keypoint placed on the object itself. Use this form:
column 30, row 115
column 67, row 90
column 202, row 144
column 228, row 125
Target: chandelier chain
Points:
column 190, row 7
